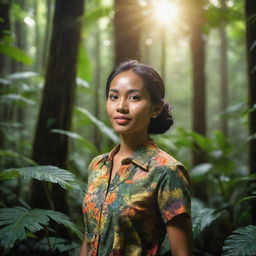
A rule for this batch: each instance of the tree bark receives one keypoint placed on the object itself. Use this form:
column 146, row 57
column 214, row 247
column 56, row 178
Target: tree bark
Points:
column 127, row 29
column 97, row 75
column 198, row 67
column 4, row 27
column 58, row 99
column 223, row 69
column 197, row 43
column 250, row 10
column 47, row 33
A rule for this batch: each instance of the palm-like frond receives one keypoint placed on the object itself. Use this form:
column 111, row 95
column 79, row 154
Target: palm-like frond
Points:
column 44, row 173
column 202, row 216
column 99, row 124
column 16, row 222
column 56, row 244
column 242, row 242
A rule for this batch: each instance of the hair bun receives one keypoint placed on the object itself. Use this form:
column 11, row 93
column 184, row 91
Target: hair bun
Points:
column 162, row 122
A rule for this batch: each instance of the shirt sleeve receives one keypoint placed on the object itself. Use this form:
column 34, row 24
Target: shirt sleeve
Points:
column 173, row 194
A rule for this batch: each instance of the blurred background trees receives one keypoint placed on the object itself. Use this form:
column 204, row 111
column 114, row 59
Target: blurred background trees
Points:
column 52, row 78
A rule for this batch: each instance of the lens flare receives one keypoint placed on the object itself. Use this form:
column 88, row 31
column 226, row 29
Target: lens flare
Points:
column 166, row 11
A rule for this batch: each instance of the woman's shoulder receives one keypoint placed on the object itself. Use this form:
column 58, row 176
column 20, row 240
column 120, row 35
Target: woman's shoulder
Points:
column 162, row 158
column 166, row 163
column 96, row 160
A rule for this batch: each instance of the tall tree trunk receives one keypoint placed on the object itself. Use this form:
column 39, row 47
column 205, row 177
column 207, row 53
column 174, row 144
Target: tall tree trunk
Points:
column 97, row 76
column 4, row 27
column 198, row 66
column 223, row 69
column 47, row 33
column 199, row 83
column 127, row 29
column 58, row 98
column 250, row 11
column 20, row 31
column 38, row 45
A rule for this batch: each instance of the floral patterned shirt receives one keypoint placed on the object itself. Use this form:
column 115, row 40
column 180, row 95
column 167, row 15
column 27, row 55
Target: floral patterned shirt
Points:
column 127, row 216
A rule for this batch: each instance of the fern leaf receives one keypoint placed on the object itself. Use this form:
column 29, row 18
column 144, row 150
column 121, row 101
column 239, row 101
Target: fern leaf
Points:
column 99, row 124
column 57, row 244
column 18, row 221
column 44, row 173
column 202, row 217
column 242, row 242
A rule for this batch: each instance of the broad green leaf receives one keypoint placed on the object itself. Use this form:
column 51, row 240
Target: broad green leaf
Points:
column 78, row 137
column 200, row 171
column 84, row 65
column 13, row 154
column 99, row 124
column 16, row 222
column 44, row 173
column 242, row 242
column 16, row 97
column 97, row 13
column 202, row 216
column 82, row 82
column 56, row 244
column 22, row 75
column 15, row 53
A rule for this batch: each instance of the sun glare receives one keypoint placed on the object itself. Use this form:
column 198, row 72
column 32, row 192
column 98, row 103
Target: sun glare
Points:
column 166, row 11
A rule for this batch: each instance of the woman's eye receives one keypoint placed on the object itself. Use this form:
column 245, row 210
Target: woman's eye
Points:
column 134, row 97
column 112, row 96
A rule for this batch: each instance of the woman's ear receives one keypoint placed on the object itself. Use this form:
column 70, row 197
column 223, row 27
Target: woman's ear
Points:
column 157, row 109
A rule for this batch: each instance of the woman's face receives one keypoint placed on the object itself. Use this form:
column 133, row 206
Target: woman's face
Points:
column 129, row 105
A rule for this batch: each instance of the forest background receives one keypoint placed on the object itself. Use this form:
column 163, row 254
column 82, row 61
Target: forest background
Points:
column 55, row 57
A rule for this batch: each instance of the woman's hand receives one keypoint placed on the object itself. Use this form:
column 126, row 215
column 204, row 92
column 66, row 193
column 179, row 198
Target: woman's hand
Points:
column 179, row 231
column 83, row 250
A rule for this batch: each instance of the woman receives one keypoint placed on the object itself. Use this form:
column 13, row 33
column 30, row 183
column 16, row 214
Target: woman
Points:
column 137, row 192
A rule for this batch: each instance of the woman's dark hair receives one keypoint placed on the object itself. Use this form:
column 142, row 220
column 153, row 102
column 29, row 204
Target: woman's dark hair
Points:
column 155, row 87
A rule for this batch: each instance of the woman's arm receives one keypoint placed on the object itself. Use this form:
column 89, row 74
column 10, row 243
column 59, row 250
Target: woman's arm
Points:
column 179, row 231
column 83, row 250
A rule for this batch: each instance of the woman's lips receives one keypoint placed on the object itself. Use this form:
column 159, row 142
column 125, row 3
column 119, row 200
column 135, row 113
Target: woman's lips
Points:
column 122, row 119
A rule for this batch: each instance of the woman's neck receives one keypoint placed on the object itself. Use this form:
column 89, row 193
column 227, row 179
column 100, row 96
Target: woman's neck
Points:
column 130, row 142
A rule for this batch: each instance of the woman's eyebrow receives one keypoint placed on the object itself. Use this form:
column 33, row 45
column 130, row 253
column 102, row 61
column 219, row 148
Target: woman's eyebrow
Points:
column 134, row 90
column 113, row 90
column 129, row 91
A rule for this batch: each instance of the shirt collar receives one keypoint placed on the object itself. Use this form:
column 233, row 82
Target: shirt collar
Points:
column 140, row 157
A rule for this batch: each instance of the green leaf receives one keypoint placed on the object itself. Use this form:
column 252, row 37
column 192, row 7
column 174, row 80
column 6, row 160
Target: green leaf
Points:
column 13, row 154
column 16, row 222
column 15, row 53
column 99, row 124
column 22, row 75
column 78, row 137
column 84, row 66
column 82, row 82
column 202, row 216
column 16, row 97
column 200, row 171
column 242, row 242
column 44, row 173
column 97, row 13
column 57, row 244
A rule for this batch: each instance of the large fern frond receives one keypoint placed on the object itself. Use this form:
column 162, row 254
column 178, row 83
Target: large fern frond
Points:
column 202, row 216
column 44, row 173
column 56, row 244
column 99, row 124
column 16, row 222
column 242, row 242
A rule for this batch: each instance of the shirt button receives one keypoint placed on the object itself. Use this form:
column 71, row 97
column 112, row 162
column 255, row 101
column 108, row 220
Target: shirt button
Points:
column 126, row 161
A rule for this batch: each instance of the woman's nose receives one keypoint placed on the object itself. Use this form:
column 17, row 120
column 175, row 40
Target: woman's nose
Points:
column 122, row 107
